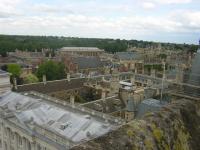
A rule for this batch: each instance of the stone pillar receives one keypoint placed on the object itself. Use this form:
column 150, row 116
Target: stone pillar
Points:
column 72, row 99
column 153, row 72
column 44, row 79
column 68, row 77
column 16, row 141
column 133, row 79
column 179, row 74
column 33, row 146
column 143, row 69
column 24, row 143
column 115, row 83
column 103, row 94
column 103, row 78
column 15, row 83
column 136, row 70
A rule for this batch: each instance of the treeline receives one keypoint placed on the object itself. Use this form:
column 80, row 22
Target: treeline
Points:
column 10, row 43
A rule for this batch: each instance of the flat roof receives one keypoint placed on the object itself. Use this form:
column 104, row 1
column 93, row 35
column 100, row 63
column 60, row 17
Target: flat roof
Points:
column 95, row 49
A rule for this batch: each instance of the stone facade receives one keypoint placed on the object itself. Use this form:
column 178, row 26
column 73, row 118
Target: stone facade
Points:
column 81, row 51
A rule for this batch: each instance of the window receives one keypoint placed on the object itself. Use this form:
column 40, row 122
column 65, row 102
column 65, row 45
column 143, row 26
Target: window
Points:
column 29, row 145
column 39, row 147
column 20, row 140
column 13, row 136
column 5, row 145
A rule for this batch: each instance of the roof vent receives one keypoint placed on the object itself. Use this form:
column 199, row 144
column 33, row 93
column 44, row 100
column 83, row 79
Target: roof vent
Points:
column 87, row 116
column 88, row 134
column 64, row 126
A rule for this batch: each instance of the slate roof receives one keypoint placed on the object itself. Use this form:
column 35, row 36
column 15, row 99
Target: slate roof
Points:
column 127, row 55
column 88, row 62
column 69, row 124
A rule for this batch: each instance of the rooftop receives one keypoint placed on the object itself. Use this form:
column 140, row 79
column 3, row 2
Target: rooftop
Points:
column 88, row 62
column 3, row 72
column 74, row 125
column 81, row 49
column 128, row 55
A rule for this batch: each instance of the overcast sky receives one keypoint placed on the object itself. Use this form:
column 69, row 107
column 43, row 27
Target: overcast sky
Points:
column 153, row 20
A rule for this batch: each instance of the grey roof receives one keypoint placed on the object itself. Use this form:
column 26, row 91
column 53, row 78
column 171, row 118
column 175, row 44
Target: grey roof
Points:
column 95, row 49
column 3, row 73
column 88, row 62
column 75, row 125
column 127, row 55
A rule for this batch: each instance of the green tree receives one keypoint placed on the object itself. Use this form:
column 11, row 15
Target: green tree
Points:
column 31, row 78
column 14, row 69
column 52, row 70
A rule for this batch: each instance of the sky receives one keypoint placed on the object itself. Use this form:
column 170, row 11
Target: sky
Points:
column 176, row 21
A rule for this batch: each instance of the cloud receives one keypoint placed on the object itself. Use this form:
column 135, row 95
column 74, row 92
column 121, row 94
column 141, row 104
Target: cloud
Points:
column 148, row 5
column 172, row 1
column 190, row 20
column 151, row 4
column 45, row 8
column 91, row 19
column 125, row 27
column 8, row 8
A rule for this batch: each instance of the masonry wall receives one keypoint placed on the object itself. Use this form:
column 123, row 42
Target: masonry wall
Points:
column 52, row 86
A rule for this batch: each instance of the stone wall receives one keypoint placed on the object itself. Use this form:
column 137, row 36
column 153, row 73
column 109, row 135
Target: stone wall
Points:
column 52, row 86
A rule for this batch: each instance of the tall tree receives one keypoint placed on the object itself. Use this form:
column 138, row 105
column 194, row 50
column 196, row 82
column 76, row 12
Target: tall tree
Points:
column 14, row 69
column 52, row 70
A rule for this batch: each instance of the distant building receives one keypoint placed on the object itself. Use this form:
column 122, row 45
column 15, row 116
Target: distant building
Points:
column 127, row 56
column 81, row 51
column 27, row 54
column 129, row 61
column 85, row 65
